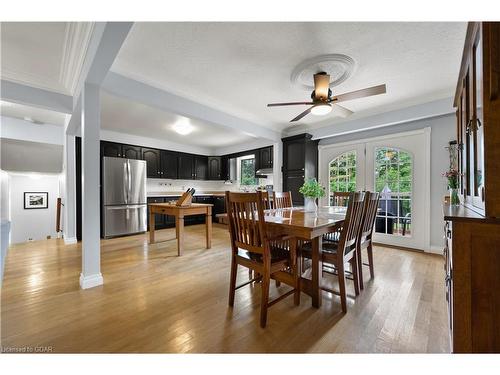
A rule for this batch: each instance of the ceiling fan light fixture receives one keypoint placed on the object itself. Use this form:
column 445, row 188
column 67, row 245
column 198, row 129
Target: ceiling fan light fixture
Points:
column 321, row 109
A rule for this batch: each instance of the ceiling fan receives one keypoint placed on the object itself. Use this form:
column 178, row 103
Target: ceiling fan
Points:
column 323, row 101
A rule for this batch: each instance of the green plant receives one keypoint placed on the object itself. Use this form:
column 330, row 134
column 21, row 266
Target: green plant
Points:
column 312, row 189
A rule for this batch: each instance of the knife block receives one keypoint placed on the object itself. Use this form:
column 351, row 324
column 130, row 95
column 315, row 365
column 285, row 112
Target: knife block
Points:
column 185, row 200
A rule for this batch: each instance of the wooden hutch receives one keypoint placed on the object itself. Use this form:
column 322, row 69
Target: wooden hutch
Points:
column 472, row 229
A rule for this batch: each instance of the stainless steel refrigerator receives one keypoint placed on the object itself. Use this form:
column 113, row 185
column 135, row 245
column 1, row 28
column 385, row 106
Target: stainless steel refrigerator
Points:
column 124, row 196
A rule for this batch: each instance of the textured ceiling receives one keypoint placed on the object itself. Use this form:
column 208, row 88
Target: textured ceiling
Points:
column 47, row 55
column 240, row 67
column 129, row 117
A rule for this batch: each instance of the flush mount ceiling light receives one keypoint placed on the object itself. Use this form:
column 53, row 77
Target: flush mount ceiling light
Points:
column 183, row 127
column 321, row 109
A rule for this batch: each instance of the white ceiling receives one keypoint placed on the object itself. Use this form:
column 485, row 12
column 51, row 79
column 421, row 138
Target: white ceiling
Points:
column 47, row 55
column 130, row 117
column 240, row 67
column 24, row 156
column 38, row 115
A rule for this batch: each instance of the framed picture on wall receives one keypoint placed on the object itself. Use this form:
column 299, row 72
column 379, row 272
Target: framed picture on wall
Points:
column 36, row 200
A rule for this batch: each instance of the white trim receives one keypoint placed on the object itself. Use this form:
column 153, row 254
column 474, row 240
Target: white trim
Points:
column 70, row 240
column 378, row 138
column 427, row 199
column 87, row 282
column 433, row 249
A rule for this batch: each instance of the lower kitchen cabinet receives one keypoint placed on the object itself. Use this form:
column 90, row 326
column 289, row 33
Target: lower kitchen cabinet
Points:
column 159, row 219
column 292, row 181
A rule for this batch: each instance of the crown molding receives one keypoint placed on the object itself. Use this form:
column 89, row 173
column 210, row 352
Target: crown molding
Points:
column 76, row 42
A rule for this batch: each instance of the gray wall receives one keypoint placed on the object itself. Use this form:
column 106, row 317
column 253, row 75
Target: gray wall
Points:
column 442, row 131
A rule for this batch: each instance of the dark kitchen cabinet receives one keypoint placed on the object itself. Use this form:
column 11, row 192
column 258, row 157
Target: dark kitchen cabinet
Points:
column 131, row 152
column 224, row 168
column 214, row 167
column 219, row 206
column 265, row 158
column 186, row 167
column 168, row 164
column 300, row 162
column 160, row 222
column 292, row 181
column 200, row 167
column 111, row 149
column 153, row 162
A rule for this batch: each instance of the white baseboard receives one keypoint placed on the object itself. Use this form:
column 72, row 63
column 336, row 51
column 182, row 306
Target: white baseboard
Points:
column 435, row 250
column 91, row 281
column 70, row 240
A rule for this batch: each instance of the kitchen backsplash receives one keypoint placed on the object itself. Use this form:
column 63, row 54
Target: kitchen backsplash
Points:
column 157, row 185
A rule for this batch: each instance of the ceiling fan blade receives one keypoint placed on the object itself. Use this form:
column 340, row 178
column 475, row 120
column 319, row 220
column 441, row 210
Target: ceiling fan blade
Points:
column 342, row 111
column 291, row 103
column 321, row 85
column 306, row 112
column 363, row 93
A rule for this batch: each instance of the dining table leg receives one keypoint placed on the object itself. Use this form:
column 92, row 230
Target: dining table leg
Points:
column 179, row 229
column 208, row 228
column 316, row 271
column 151, row 226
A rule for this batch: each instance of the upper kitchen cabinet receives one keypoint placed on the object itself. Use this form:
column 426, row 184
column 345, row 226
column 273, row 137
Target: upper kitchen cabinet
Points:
column 169, row 164
column 300, row 162
column 131, row 152
column 224, row 168
column 200, row 167
column 214, row 167
column 153, row 162
column 186, row 167
column 118, row 150
column 111, row 149
column 265, row 158
column 477, row 100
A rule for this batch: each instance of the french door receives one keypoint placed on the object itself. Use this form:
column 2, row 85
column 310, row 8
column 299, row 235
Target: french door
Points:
column 397, row 166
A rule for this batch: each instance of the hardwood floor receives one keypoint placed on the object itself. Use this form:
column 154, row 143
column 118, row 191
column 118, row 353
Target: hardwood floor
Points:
column 154, row 301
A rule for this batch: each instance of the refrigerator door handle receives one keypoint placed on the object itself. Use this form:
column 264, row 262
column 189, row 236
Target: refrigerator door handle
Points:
column 129, row 181
column 124, row 187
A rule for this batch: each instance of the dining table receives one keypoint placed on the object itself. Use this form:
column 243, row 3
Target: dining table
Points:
column 298, row 224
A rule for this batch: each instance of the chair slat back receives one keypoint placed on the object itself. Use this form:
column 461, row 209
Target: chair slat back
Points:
column 245, row 213
column 370, row 212
column 341, row 198
column 266, row 200
column 282, row 199
column 352, row 223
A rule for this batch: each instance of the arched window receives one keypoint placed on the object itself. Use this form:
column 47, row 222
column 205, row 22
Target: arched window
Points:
column 393, row 180
column 342, row 174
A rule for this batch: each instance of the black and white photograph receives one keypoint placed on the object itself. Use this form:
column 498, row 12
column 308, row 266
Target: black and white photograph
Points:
column 36, row 200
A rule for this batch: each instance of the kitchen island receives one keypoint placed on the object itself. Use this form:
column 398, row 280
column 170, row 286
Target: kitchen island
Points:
column 179, row 212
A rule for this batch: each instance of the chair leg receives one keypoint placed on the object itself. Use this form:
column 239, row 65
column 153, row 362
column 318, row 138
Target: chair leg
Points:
column 355, row 273
column 232, row 281
column 341, row 276
column 266, row 280
column 359, row 257
column 296, row 278
column 278, row 283
column 250, row 274
column 370, row 259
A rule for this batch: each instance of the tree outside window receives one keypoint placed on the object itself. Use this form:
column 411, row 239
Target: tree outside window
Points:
column 248, row 172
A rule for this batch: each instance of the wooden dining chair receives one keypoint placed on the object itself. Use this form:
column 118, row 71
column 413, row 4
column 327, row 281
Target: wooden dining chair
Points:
column 267, row 200
column 340, row 198
column 344, row 251
column 365, row 235
column 253, row 248
column 282, row 199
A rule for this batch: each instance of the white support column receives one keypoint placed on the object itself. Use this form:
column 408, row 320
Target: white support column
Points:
column 91, row 249
column 69, row 199
column 277, row 164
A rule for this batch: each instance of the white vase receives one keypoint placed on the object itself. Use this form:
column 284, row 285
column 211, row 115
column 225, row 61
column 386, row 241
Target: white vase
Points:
column 310, row 205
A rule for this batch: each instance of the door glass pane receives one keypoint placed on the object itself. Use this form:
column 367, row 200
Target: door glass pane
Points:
column 393, row 180
column 342, row 174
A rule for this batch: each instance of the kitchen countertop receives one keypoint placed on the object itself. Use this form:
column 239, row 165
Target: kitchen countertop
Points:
column 179, row 193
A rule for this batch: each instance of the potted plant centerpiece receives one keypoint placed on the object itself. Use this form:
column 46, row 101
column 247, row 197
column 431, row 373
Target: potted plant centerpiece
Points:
column 311, row 190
